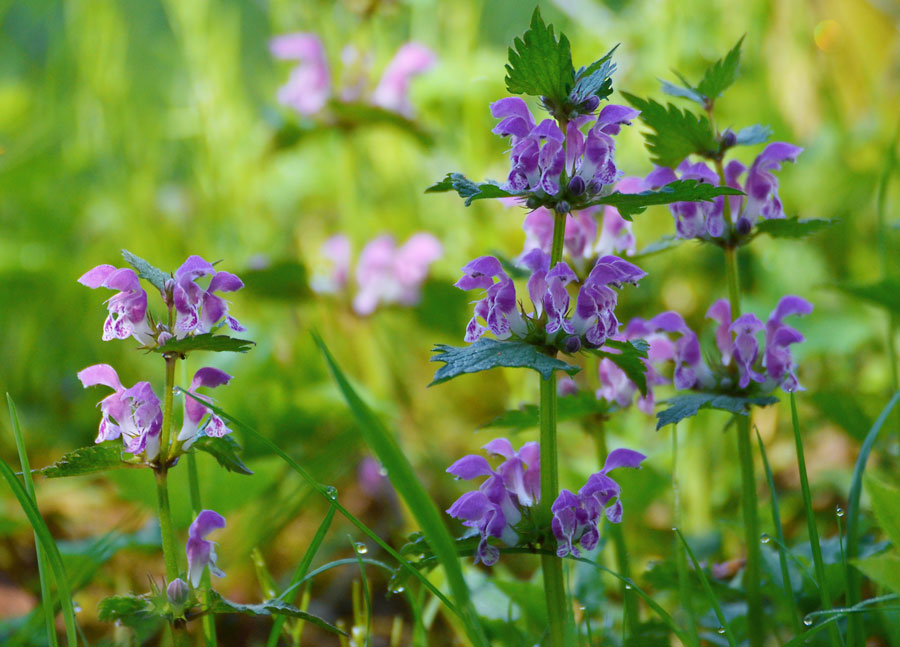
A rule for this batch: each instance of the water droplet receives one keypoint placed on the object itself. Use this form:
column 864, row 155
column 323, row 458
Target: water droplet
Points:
column 361, row 548
column 808, row 621
column 76, row 608
column 398, row 589
column 764, row 538
column 382, row 470
column 721, row 631
column 331, row 492
column 839, row 511
column 628, row 587
column 581, row 607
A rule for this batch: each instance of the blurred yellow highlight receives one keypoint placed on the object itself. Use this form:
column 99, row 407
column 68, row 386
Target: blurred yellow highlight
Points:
column 827, row 35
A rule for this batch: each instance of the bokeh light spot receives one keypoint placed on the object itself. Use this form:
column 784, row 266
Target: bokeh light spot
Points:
column 827, row 34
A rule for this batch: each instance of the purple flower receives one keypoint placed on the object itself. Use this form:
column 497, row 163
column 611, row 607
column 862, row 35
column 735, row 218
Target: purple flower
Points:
column 194, row 412
column 761, row 186
column 134, row 414
column 720, row 311
column 581, row 231
column 127, row 308
column 594, row 310
column 393, row 89
column 576, row 517
column 387, row 274
column 494, row 509
column 309, row 85
column 200, row 551
column 336, row 251
column 777, row 360
column 199, row 310
column 692, row 219
column 746, row 347
column 498, row 308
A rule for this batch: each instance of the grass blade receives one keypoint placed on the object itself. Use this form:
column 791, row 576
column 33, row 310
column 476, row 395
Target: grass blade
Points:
column 367, row 599
column 779, row 535
column 684, row 590
column 49, row 546
column 834, row 616
column 404, row 480
column 709, row 592
column 43, row 567
column 854, row 630
column 302, row 569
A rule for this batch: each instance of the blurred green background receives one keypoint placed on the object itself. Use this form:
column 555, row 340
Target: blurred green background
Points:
column 153, row 126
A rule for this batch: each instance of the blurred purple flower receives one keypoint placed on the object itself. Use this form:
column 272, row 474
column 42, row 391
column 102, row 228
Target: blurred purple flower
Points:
column 387, row 274
column 194, row 411
column 746, row 347
column 392, row 92
column 127, row 308
column 200, row 551
column 576, row 517
column 720, row 312
column 336, row 250
column 309, row 85
column 134, row 414
column 198, row 310
column 778, row 360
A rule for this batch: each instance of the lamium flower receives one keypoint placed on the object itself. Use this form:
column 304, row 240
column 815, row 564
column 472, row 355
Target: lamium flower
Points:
column 132, row 413
column 391, row 275
column 692, row 219
column 199, row 310
column 761, row 186
column 200, row 551
column 594, row 316
column 127, row 308
column 498, row 308
column 778, row 361
column 576, row 516
column 177, row 592
column 194, row 411
column 309, row 87
column 496, row 506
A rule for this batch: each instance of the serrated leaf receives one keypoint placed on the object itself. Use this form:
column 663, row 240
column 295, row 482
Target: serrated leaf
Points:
column 675, row 133
column 87, row 460
column 883, row 569
column 755, row 134
column 885, row 500
column 146, row 271
column 792, row 227
column 573, row 407
column 884, row 293
column 282, row 280
column 720, row 75
column 539, row 64
column 486, row 354
column 206, row 341
column 629, row 204
column 687, row 405
column 595, row 79
column 218, row 604
column 629, row 358
column 225, row 450
column 131, row 610
column 678, row 91
column 468, row 189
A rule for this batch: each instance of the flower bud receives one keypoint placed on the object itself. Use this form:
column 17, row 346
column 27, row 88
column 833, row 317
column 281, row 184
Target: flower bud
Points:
column 572, row 344
column 590, row 104
column 577, row 186
column 532, row 203
column 177, row 592
column 729, row 139
column 562, row 207
column 743, row 226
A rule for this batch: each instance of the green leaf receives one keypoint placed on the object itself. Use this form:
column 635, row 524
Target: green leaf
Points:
column 146, row 271
column 573, row 407
column 206, row 341
column 218, row 604
column 721, row 74
column 886, row 506
column 629, row 359
column 685, row 406
column 487, row 353
column 468, row 189
column 595, row 79
column 792, row 227
column 884, row 569
column 225, row 450
column 675, row 133
column 755, row 134
column 282, row 280
column 88, row 460
column 131, row 610
column 629, row 204
column 539, row 65
column 884, row 293
column 659, row 245
column 684, row 92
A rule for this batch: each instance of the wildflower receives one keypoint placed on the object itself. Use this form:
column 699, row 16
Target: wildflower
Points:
column 746, row 347
column 336, row 251
column 761, row 186
column 576, row 516
column 177, row 592
column 594, row 316
column 133, row 413
column 498, row 308
column 392, row 92
column 387, row 274
column 198, row 310
column 309, row 85
column 200, row 551
column 692, row 219
column 194, row 412
column 127, row 308
column 580, row 232
column 777, row 360
column 720, row 311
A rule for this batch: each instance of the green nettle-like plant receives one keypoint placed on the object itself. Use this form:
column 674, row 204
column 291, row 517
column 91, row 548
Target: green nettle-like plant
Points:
column 563, row 171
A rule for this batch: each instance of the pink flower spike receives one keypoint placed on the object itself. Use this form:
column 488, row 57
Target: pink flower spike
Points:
column 392, row 92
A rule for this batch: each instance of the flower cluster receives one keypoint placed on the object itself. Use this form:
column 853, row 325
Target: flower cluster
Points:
column 385, row 273
column 706, row 219
column 199, row 310
column 567, row 169
column 576, row 516
column 309, row 87
column 512, row 491
column 592, row 321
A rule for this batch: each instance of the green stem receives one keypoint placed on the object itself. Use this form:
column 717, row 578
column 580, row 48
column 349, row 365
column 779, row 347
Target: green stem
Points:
column 681, row 565
column 209, row 620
